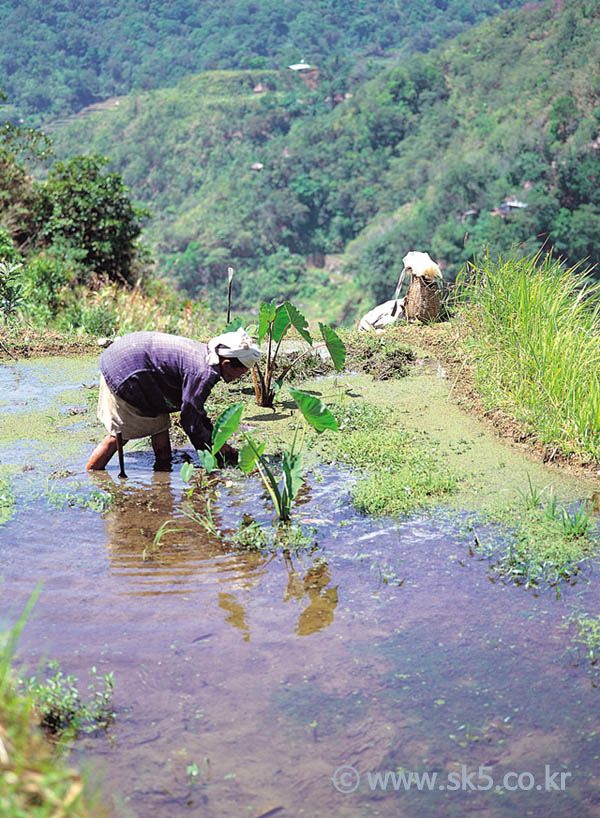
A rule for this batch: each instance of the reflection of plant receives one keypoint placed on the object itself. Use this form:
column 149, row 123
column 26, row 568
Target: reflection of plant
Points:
column 273, row 324
column 252, row 454
column 60, row 706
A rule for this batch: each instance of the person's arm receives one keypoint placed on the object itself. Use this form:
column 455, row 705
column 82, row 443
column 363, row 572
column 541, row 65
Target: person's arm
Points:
column 196, row 423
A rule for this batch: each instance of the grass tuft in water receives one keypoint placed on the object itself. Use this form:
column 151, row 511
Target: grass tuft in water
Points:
column 61, row 709
column 34, row 781
column 546, row 542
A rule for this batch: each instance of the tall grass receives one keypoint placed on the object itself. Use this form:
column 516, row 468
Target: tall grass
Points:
column 34, row 780
column 534, row 336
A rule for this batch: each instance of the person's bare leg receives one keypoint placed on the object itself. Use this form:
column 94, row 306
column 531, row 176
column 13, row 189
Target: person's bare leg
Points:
column 161, row 444
column 103, row 453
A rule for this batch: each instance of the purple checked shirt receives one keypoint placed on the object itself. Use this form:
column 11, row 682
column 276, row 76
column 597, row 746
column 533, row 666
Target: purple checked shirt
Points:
column 158, row 373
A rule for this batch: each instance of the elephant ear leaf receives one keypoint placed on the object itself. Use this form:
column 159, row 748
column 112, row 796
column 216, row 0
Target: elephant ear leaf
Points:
column 292, row 473
column 266, row 315
column 249, row 454
column 225, row 425
column 207, row 460
column 335, row 346
column 288, row 315
column 314, row 410
column 187, row 470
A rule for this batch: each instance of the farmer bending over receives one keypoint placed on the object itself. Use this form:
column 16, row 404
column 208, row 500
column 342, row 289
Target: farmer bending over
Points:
column 146, row 375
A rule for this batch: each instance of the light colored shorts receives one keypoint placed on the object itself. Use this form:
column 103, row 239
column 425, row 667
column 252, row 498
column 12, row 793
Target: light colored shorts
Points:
column 119, row 416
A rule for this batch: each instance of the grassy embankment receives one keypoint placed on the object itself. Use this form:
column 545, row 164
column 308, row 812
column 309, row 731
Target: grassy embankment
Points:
column 108, row 310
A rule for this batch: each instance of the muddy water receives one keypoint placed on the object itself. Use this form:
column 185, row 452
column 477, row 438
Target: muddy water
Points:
column 385, row 648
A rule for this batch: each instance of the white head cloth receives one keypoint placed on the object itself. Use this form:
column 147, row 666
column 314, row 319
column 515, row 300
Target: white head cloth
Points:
column 233, row 345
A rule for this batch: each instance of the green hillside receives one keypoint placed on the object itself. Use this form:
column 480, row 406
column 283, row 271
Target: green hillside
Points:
column 418, row 158
column 57, row 56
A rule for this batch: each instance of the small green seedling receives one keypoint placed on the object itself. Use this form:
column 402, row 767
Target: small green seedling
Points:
column 252, row 454
column 225, row 425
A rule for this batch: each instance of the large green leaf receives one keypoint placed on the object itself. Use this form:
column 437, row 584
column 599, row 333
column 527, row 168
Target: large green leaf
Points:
column 314, row 410
column 207, row 460
column 335, row 345
column 266, row 315
column 288, row 315
column 225, row 425
column 187, row 470
column 248, row 456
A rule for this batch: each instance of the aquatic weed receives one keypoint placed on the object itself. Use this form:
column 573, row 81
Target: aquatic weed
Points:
column 250, row 535
column 532, row 498
column 534, row 546
column 403, row 471
column 60, row 706
column 71, row 497
column 166, row 527
column 7, row 500
column 355, row 415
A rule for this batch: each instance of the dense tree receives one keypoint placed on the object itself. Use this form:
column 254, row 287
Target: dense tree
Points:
column 93, row 212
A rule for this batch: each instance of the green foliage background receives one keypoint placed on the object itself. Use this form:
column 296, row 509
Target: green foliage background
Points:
column 57, row 56
column 417, row 158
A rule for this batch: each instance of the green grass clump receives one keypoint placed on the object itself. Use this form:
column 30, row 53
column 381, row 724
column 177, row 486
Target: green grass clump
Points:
column 588, row 635
column 33, row 780
column 546, row 542
column 360, row 415
column 534, row 335
column 403, row 470
column 59, row 704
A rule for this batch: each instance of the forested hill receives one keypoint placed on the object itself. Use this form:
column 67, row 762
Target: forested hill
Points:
column 58, row 56
column 426, row 156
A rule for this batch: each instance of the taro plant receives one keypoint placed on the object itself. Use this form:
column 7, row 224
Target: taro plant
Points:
column 317, row 415
column 274, row 323
column 225, row 425
column 251, row 456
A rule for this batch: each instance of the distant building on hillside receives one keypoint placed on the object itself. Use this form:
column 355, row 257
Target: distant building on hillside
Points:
column 506, row 207
column 309, row 72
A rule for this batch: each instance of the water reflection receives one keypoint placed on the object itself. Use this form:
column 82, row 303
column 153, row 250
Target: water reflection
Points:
column 176, row 561
column 314, row 586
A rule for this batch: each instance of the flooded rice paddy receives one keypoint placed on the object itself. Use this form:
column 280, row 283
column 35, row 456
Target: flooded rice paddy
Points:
column 244, row 681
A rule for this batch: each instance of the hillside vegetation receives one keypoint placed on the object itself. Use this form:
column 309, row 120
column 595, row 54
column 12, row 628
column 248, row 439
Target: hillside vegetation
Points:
column 57, row 56
column 418, row 158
